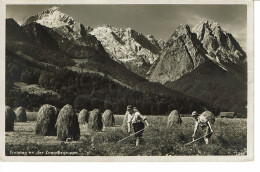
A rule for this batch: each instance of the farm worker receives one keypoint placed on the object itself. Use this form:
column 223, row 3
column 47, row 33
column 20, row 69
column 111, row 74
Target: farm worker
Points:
column 202, row 121
column 137, row 121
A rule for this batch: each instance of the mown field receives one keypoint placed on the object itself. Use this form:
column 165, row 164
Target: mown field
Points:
column 229, row 138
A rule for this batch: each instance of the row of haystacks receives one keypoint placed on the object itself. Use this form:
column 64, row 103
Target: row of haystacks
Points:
column 96, row 117
column 67, row 123
column 11, row 116
column 63, row 124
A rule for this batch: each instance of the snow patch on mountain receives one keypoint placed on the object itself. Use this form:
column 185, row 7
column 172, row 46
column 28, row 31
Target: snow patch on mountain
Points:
column 61, row 23
column 128, row 47
column 122, row 46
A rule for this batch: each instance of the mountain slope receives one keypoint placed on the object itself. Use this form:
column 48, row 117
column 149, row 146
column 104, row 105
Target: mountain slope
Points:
column 50, row 50
column 69, row 53
column 126, row 46
column 213, row 84
column 206, row 63
column 30, row 60
column 136, row 51
column 77, row 43
column 182, row 53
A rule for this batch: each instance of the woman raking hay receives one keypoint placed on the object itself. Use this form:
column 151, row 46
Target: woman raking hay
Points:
column 137, row 120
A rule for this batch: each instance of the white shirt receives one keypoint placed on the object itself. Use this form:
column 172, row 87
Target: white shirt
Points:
column 135, row 117
column 202, row 121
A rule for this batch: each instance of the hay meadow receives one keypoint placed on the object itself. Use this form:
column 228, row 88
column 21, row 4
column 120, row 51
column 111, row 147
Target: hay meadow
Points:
column 229, row 138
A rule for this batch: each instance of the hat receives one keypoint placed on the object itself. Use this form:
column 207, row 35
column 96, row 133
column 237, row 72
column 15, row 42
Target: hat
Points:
column 129, row 107
column 194, row 113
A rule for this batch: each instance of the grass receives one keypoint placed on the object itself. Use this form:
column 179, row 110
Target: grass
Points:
column 229, row 138
column 34, row 89
column 31, row 116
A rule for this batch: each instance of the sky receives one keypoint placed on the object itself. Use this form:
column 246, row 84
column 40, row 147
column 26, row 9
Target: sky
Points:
column 158, row 20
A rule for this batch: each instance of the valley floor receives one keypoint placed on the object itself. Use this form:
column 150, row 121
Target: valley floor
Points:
column 229, row 138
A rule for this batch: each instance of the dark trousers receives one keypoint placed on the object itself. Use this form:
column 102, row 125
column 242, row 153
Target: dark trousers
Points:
column 137, row 127
column 207, row 131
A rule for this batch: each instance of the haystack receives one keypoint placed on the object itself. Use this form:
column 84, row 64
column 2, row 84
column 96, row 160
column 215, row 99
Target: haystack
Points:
column 108, row 118
column 83, row 116
column 20, row 114
column 46, row 120
column 67, row 124
column 174, row 119
column 95, row 120
column 209, row 116
column 9, row 119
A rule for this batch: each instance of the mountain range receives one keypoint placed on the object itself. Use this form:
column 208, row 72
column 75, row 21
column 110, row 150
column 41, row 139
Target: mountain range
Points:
column 202, row 64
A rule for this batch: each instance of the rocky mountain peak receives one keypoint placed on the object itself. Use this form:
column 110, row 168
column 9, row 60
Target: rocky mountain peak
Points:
column 220, row 44
column 180, row 31
column 51, row 18
column 52, row 9
column 129, row 47
column 188, row 48
column 106, row 25
column 181, row 54
column 88, row 29
column 212, row 24
column 161, row 43
column 11, row 21
column 13, row 30
column 62, row 24
column 150, row 37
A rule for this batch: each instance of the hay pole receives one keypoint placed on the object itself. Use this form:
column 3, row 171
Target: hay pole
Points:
column 131, row 135
column 198, row 139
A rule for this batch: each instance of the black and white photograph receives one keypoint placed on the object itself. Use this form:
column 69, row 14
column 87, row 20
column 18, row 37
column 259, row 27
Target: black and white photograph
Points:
column 128, row 80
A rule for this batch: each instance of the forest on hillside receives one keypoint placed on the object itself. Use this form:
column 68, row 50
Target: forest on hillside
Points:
column 85, row 90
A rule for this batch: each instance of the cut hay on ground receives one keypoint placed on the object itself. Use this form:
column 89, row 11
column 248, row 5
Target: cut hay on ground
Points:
column 9, row 119
column 67, row 124
column 209, row 116
column 108, row 118
column 173, row 119
column 95, row 120
column 46, row 120
column 83, row 116
column 20, row 114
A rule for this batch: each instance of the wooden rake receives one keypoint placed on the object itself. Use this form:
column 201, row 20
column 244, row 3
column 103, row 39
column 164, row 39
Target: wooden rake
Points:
column 197, row 139
column 131, row 135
